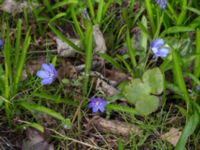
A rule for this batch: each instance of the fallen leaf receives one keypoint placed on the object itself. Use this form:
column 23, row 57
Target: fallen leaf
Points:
column 36, row 141
column 172, row 136
column 100, row 45
column 105, row 88
column 67, row 70
column 64, row 49
column 115, row 75
column 103, row 84
column 13, row 7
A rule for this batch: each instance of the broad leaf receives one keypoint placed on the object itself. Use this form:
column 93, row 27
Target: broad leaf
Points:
column 136, row 90
column 147, row 104
column 154, row 78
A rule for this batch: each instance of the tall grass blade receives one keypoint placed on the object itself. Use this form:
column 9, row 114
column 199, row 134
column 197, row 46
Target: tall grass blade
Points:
column 150, row 14
column 66, row 40
column 100, row 11
column 178, row 77
column 130, row 49
column 77, row 26
column 183, row 13
column 8, row 73
column 189, row 128
column 111, row 60
column 88, row 58
column 177, row 29
column 18, row 39
column 197, row 60
column 22, row 60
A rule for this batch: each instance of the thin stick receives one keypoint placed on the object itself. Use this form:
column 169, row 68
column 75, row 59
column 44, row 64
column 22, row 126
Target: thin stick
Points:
column 74, row 140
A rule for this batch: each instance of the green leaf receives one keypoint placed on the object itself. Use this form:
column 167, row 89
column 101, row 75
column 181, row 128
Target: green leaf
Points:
column 177, row 29
column 154, row 78
column 47, row 111
column 33, row 125
column 147, row 104
column 136, row 90
column 189, row 128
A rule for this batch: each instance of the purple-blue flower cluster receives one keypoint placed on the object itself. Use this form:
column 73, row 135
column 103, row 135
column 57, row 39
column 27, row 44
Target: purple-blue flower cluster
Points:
column 48, row 74
column 97, row 104
column 162, row 3
column 158, row 48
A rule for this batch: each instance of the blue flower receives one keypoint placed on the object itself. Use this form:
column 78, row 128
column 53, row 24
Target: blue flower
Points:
column 162, row 3
column 158, row 48
column 198, row 88
column 97, row 104
column 1, row 44
column 47, row 73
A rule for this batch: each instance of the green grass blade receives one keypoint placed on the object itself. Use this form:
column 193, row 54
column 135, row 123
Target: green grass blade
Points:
column 100, row 11
column 59, row 15
column 8, row 70
column 91, row 9
column 8, row 74
column 197, row 60
column 194, row 10
column 42, row 109
column 128, row 67
column 18, row 39
column 172, row 12
column 66, row 40
column 63, row 3
column 177, row 29
column 178, row 77
column 88, row 58
column 105, row 8
column 189, row 128
column 130, row 49
column 77, row 26
column 22, row 60
column 33, row 125
column 110, row 60
column 183, row 13
column 150, row 14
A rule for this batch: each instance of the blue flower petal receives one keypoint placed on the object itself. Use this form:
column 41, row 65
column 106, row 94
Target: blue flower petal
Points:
column 46, row 67
column 157, row 43
column 53, row 70
column 91, row 105
column 42, row 74
column 102, row 109
column 163, row 52
column 95, row 109
column 1, row 44
column 47, row 81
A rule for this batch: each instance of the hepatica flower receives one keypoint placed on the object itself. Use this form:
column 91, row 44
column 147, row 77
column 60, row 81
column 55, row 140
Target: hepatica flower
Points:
column 97, row 104
column 47, row 73
column 162, row 3
column 159, row 49
column 1, row 44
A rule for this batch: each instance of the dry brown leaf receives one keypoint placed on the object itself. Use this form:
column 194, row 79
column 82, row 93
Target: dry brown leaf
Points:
column 64, row 49
column 67, row 70
column 115, row 75
column 172, row 136
column 13, row 7
column 100, row 45
column 36, row 141
column 105, row 88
